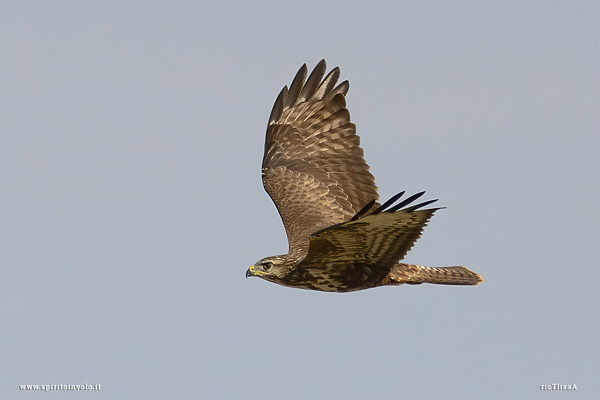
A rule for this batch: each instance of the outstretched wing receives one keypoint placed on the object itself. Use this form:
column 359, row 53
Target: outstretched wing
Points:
column 313, row 167
column 359, row 253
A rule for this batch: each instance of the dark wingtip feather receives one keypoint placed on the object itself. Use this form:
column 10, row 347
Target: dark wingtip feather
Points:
column 313, row 81
column 278, row 106
column 363, row 211
column 406, row 202
column 296, row 86
column 420, row 205
column 388, row 203
column 328, row 84
column 341, row 88
column 384, row 206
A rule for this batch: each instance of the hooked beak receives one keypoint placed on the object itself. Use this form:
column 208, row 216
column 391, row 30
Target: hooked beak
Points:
column 250, row 272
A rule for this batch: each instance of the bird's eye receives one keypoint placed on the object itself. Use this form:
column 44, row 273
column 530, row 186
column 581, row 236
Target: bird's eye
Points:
column 267, row 266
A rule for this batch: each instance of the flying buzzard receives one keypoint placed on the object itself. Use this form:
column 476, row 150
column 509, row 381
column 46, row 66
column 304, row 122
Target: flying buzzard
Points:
column 340, row 238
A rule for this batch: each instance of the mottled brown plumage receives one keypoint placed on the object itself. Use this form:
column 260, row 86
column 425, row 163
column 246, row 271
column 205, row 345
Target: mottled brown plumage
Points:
column 340, row 238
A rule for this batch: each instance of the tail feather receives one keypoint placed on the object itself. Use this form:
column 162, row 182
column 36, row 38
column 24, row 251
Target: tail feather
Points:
column 417, row 274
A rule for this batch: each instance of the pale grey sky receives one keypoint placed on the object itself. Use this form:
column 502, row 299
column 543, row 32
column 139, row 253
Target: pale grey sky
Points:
column 132, row 205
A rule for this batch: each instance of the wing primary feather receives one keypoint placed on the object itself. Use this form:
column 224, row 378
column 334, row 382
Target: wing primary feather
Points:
column 420, row 205
column 328, row 84
column 363, row 211
column 313, row 81
column 278, row 107
column 341, row 88
column 296, row 86
column 388, row 203
column 405, row 202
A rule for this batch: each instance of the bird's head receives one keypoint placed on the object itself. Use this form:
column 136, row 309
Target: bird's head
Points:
column 272, row 268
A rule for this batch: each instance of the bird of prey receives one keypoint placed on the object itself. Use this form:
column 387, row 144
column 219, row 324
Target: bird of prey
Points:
column 340, row 238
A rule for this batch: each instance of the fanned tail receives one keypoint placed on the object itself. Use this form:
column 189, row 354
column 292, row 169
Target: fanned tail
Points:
column 417, row 274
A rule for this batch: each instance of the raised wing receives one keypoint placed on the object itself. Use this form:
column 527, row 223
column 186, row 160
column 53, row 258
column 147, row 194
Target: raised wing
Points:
column 313, row 167
column 361, row 252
